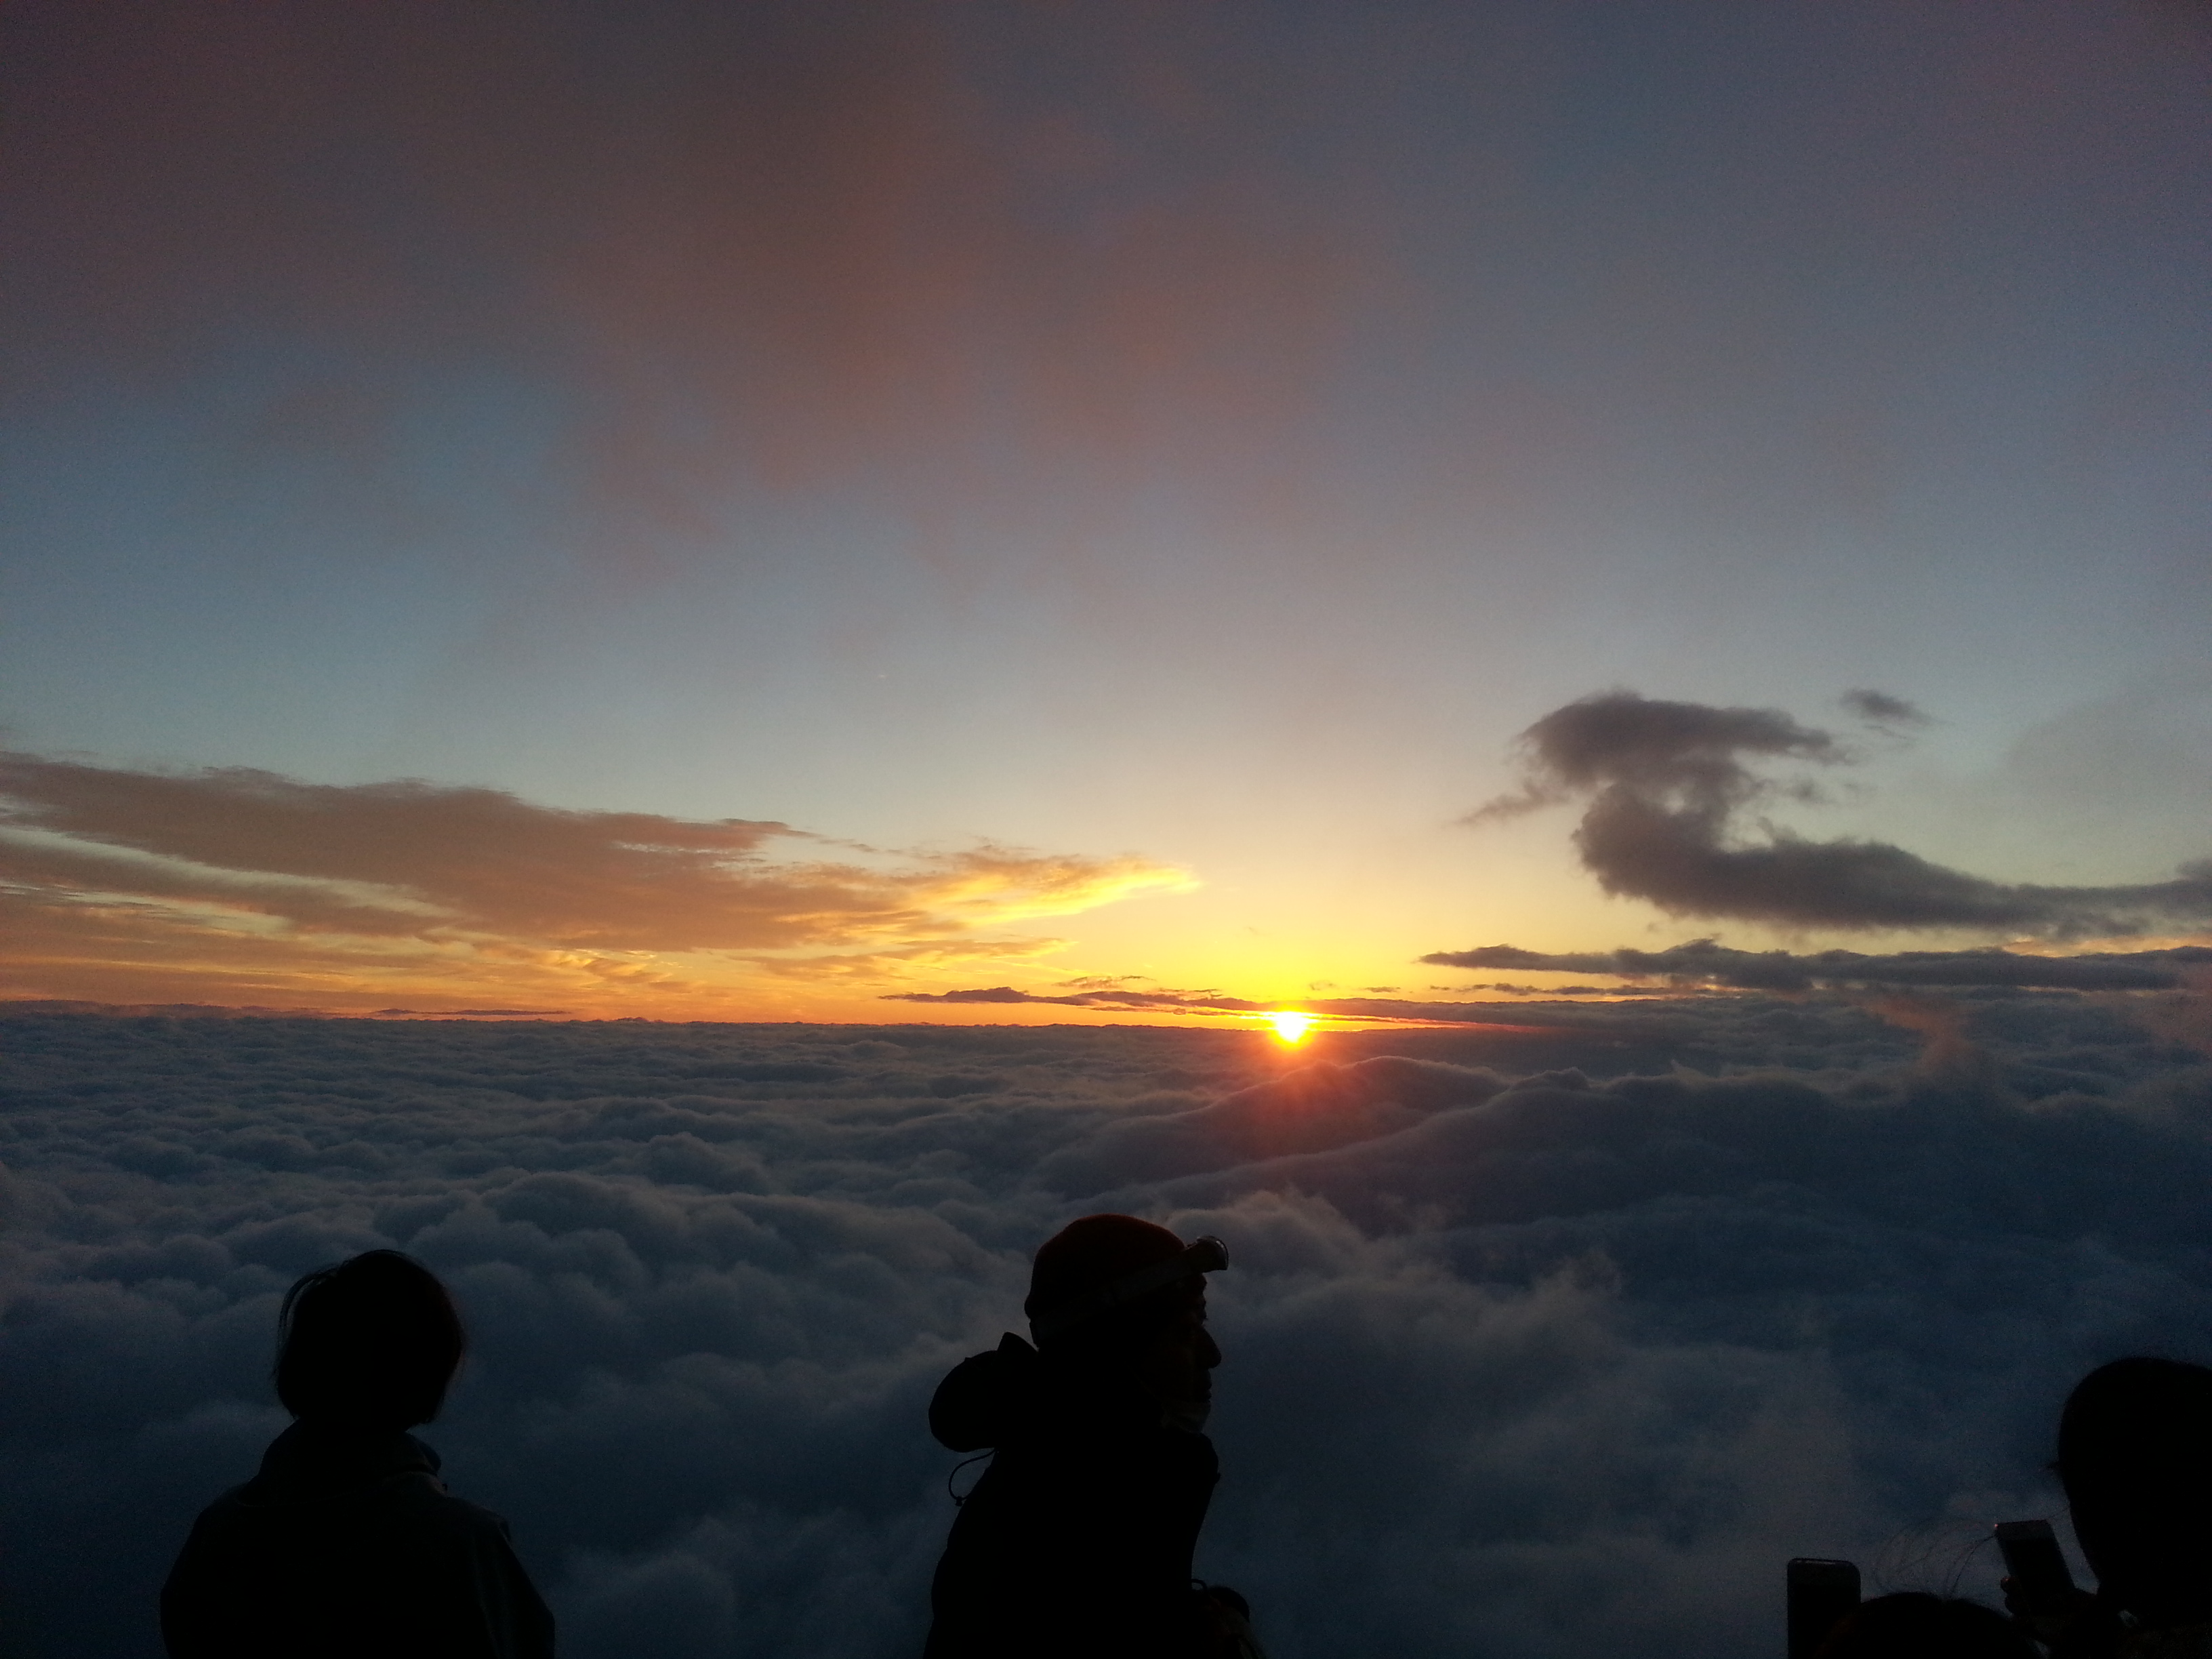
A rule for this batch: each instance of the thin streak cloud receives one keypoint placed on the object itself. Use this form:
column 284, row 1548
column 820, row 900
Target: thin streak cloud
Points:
column 1705, row 961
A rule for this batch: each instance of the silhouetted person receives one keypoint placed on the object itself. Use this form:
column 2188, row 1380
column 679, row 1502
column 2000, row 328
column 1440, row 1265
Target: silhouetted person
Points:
column 1913, row 1625
column 1078, row 1539
column 346, row 1546
column 2135, row 1456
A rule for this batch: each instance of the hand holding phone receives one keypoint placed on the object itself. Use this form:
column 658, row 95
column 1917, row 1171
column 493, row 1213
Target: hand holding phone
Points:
column 1822, row 1595
column 2036, row 1580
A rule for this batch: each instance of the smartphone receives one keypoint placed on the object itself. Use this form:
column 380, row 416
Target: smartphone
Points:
column 2034, row 1564
column 1822, row 1595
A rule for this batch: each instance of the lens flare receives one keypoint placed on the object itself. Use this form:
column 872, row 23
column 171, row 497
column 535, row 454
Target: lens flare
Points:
column 1291, row 1028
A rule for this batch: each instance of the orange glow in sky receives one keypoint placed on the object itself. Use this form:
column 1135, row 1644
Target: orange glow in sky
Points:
column 1290, row 1027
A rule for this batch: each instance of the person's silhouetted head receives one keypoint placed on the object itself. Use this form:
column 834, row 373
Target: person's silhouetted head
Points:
column 2134, row 1454
column 1914, row 1625
column 372, row 1343
column 1126, row 1295
column 1083, row 1257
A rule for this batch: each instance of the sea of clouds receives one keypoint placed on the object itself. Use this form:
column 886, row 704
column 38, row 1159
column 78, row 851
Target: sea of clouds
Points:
column 1538, row 1344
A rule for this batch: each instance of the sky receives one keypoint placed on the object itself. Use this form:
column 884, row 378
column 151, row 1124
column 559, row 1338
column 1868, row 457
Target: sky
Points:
column 1539, row 1341
column 825, row 606
column 697, row 511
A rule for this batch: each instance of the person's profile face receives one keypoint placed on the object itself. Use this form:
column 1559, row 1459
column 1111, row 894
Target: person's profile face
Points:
column 1178, row 1363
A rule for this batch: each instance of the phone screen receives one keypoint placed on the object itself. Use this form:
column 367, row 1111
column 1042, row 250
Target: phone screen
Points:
column 1822, row 1595
column 2033, row 1561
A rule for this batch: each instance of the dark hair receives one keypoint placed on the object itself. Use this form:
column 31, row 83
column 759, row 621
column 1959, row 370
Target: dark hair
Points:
column 372, row 1342
column 1084, row 1257
column 1914, row 1625
column 2134, row 1454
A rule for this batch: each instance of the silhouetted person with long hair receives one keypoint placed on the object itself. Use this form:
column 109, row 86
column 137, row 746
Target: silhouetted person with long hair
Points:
column 1077, row 1541
column 1914, row 1625
column 346, row 1545
column 2135, row 1456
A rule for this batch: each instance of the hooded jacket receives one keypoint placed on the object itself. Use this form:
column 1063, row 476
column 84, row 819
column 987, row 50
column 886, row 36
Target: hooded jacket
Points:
column 1078, row 1539
column 347, row 1545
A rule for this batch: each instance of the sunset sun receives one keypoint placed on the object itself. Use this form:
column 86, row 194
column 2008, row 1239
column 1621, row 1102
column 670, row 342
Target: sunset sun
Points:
column 1291, row 1028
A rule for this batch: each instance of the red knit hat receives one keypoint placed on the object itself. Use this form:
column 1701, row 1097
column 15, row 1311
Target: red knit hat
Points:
column 1085, row 1256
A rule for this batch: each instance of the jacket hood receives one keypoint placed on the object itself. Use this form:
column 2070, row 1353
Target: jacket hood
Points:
column 986, row 1399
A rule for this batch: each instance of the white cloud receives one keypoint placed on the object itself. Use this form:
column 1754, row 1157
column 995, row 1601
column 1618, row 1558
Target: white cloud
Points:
column 1522, row 1361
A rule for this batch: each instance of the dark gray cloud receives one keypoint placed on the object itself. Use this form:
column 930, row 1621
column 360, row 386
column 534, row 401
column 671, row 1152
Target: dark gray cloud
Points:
column 1666, row 783
column 1704, row 961
column 1542, row 1341
column 1880, row 708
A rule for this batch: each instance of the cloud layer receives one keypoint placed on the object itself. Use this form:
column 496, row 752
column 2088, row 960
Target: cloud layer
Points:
column 1665, row 784
column 139, row 886
column 1539, row 1344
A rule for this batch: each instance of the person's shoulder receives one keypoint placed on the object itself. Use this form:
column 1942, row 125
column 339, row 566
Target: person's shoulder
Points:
column 415, row 1498
column 231, row 1513
column 424, row 1500
column 237, row 1498
column 223, row 1535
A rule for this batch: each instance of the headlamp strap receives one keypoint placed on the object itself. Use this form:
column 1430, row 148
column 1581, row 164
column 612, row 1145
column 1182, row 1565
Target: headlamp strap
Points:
column 1205, row 1255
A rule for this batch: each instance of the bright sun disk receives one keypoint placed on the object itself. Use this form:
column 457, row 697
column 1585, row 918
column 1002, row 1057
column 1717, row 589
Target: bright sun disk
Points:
column 1291, row 1027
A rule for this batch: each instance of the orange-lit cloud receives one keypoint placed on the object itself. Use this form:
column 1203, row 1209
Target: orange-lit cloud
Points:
column 1322, row 1014
column 236, row 886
